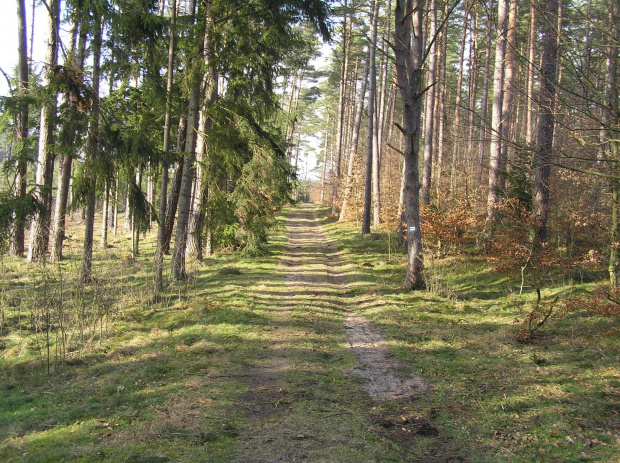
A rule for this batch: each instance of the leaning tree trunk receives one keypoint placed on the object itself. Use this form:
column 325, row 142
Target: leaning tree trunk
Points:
column 408, row 51
column 39, row 227
column 542, row 155
column 16, row 243
column 175, row 188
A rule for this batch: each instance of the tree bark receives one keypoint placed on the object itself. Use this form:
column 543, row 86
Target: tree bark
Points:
column 175, row 188
column 189, row 172
column 429, row 115
column 371, row 111
column 353, row 145
column 509, row 86
column 542, row 160
column 457, row 134
column 441, row 108
column 531, row 56
column 39, row 227
column 346, row 43
column 203, row 164
column 408, row 50
column 105, row 210
column 484, row 105
column 16, row 243
column 610, row 138
column 496, row 120
column 161, row 228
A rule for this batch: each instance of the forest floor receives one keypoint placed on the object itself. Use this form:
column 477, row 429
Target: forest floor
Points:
column 313, row 352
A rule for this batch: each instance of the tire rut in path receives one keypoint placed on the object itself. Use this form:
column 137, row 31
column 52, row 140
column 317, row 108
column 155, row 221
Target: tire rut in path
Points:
column 383, row 377
column 312, row 270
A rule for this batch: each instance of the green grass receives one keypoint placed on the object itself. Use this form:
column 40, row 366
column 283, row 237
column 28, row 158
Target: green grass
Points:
column 183, row 377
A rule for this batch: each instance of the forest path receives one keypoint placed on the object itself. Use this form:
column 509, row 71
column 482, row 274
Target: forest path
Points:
column 310, row 392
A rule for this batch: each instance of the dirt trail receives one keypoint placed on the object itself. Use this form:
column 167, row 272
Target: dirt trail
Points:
column 298, row 413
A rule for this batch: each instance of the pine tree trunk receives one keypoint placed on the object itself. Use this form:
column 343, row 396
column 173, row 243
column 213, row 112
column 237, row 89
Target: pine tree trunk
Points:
column 543, row 153
column 531, row 56
column 344, row 73
column 371, row 111
column 509, row 86
column 473, row 90
column 496, row 120
column 16, row 243
column 484, row 131
column 429, row 114
column 457, row 133
column 324, row 170
column 610, row 138
column 408, row 50
column 353, row 145
column 39, row 227
column 441, row 108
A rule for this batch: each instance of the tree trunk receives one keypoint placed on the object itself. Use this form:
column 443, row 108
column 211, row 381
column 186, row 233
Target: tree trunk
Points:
column 610, row 138
column 408, row 50
column 189, row 172
column 531, row 56
column 509, row 86
column 371, row 111
column 496, row 120
column 429, row 115
column 115, row 213
column 485, row 100
column 203, row 164
column 441, row 107
column 542, row 160
column 175, row 188
column 353, row 145
column 16, row 243
column 39, row 227
column 105, row 215
column 161, row 228
column 457, row 134
column 92, row 153
column 346, row 41
column 324, row 170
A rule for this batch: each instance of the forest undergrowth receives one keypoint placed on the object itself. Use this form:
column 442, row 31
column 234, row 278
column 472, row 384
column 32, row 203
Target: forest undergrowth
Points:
column 229, row 365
